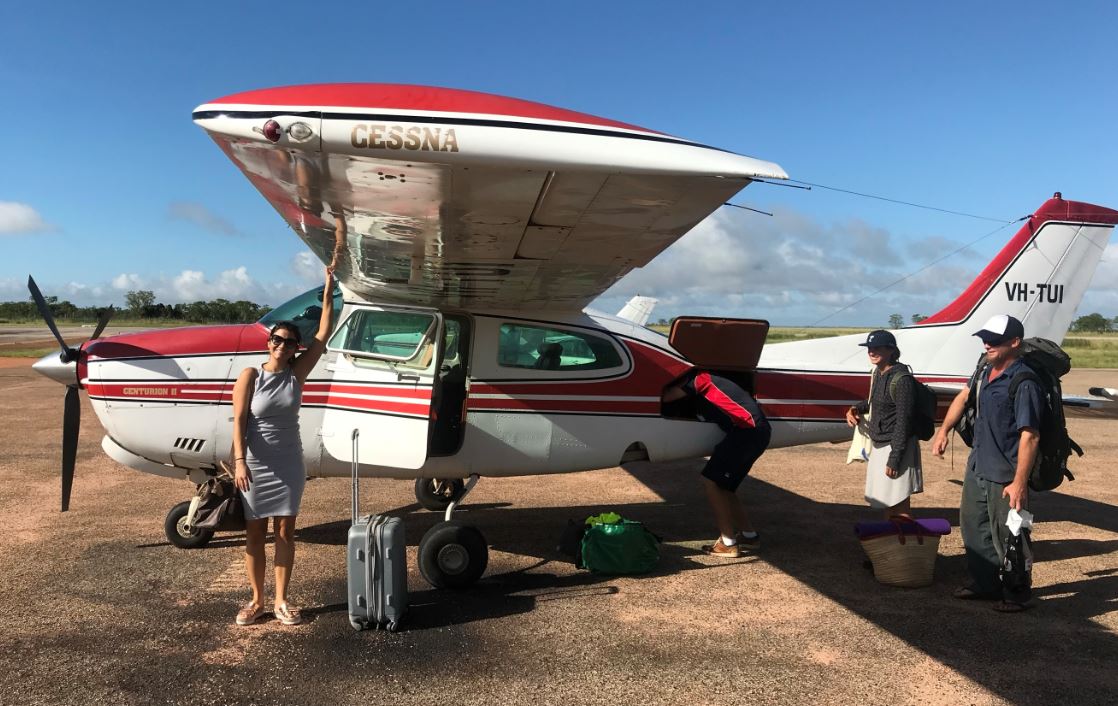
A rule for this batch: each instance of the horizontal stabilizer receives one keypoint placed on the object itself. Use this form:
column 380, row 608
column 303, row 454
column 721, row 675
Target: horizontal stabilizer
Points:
column 1097, row 406
column 638, row 309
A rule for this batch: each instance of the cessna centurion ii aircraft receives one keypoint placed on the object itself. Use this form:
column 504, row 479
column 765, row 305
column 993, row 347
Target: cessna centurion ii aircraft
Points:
column 476, row 230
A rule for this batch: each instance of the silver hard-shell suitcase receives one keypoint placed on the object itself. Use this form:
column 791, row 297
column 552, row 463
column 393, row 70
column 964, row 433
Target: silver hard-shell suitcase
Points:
column 376, row 567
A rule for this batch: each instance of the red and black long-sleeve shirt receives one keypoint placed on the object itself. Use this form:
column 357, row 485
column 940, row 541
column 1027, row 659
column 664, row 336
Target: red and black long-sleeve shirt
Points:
column 724, row 402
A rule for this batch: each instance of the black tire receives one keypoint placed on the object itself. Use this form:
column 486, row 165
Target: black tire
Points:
column 177, row 534
column 434, row 494
column 452, row 555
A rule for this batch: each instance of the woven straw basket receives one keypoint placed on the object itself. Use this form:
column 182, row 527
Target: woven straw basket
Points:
column 900, row 560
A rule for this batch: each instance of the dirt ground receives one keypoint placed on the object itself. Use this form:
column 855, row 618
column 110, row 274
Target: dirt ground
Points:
column 97, row 607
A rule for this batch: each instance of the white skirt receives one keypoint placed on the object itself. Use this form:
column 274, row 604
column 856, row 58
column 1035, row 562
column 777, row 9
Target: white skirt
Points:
column 883, row 491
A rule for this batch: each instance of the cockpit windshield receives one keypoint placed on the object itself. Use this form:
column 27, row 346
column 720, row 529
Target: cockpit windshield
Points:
column 304, row 311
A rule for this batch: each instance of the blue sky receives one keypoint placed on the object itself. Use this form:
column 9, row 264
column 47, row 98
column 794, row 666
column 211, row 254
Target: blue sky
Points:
column 987, row 108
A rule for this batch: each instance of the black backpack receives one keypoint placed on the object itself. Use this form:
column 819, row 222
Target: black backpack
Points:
column 1046, row 363
column 924, row 416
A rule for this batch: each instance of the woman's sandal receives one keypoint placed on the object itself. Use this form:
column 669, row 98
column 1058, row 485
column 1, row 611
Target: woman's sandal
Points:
column 250, row 614
column 288, row 615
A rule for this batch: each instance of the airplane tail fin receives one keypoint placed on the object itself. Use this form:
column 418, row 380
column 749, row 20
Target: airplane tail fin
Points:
column 637, row 310
column 1039, row 277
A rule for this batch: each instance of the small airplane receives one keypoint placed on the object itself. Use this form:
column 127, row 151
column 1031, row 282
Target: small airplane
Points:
column 477, row 229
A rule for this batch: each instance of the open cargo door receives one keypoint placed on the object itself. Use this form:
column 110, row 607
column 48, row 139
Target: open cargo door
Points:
column 719, row 344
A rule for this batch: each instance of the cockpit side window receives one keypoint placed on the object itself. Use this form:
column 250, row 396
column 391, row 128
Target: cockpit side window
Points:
column 304, row 311
column 401, row 336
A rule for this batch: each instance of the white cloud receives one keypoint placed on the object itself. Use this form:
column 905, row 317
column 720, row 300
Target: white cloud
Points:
column 18, row 217
column 793, row 270
column 126, row 282
column 1102, row 293
column 307, row 268
column 200, row 215
column 235, row 284
column 13, row 289
column 186, row 286
column 189, row 285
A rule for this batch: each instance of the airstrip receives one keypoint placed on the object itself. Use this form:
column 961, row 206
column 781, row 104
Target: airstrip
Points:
column 96, row 606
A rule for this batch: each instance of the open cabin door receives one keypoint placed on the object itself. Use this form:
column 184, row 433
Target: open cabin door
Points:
column 720, row 344
column 384, row 362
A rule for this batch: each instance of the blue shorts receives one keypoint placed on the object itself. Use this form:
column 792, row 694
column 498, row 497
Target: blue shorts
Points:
column 735, row 455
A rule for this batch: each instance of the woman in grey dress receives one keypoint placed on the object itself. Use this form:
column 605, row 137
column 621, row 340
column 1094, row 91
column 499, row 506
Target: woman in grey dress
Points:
column 893, row 472
column 268, row 454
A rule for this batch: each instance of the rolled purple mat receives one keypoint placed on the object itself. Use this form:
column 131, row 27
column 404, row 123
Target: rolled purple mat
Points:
column 927, row 526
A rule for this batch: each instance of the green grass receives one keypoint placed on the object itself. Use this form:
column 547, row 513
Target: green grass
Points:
column 116, row 321
column 1099, row 351
column 782, row 334
column 26, row 352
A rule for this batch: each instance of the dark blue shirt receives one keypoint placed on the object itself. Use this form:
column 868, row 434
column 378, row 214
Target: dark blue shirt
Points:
column 997, row 428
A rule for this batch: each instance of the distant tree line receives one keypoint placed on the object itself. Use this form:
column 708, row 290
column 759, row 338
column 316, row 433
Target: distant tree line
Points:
column 141, row 304
column 1091, row 323
column 1094, row 323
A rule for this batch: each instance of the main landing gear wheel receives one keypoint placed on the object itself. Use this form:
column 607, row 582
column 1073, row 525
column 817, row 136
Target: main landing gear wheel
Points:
column 452, row 555
column 178, row 533
column 437, row 494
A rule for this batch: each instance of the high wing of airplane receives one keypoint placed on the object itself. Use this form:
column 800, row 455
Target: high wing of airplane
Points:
column 457, row 198
column 469, row 232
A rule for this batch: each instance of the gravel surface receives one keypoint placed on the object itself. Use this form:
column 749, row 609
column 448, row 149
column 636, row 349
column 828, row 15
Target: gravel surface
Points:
column 98, row 608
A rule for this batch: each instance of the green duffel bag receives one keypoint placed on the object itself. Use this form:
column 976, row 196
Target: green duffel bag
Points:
column 614, row 545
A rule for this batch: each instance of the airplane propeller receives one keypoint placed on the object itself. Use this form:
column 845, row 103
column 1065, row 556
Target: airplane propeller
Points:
column 65, row 371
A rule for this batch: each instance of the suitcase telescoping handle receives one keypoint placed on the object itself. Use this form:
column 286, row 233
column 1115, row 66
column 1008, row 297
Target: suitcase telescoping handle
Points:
column 353, row 471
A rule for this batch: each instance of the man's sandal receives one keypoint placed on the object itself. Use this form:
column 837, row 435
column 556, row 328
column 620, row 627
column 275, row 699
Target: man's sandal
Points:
column 966, row 593
column 1010, row 607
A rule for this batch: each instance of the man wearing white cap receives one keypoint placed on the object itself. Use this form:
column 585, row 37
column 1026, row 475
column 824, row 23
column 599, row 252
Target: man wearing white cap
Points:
column 1006, row 438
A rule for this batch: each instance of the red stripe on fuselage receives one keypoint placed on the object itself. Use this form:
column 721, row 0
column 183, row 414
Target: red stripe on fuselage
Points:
column 813, row 386
column 421, row 409
column 589, row 407
column 406, row 400
column 416, row 393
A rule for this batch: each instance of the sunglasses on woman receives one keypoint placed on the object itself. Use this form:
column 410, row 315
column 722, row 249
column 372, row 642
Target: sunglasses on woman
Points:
column 281, row 341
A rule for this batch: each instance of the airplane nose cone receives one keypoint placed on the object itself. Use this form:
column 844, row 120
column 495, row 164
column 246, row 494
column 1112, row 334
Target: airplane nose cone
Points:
column 51, row 365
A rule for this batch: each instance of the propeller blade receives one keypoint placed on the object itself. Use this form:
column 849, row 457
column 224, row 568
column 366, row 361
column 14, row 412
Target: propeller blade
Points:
column 103, row 317
column 71, row 422
column 44, row 311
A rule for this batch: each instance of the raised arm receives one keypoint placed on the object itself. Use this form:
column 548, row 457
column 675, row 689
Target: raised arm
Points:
column 305, row 363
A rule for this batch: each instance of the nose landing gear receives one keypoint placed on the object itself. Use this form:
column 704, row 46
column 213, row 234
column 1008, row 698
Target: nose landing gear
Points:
column 182, row 535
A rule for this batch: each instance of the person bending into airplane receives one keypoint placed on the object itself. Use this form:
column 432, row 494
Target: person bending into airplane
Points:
column 894, row 472
column 734, row 410
column 1006, row 441
column 268, row 454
